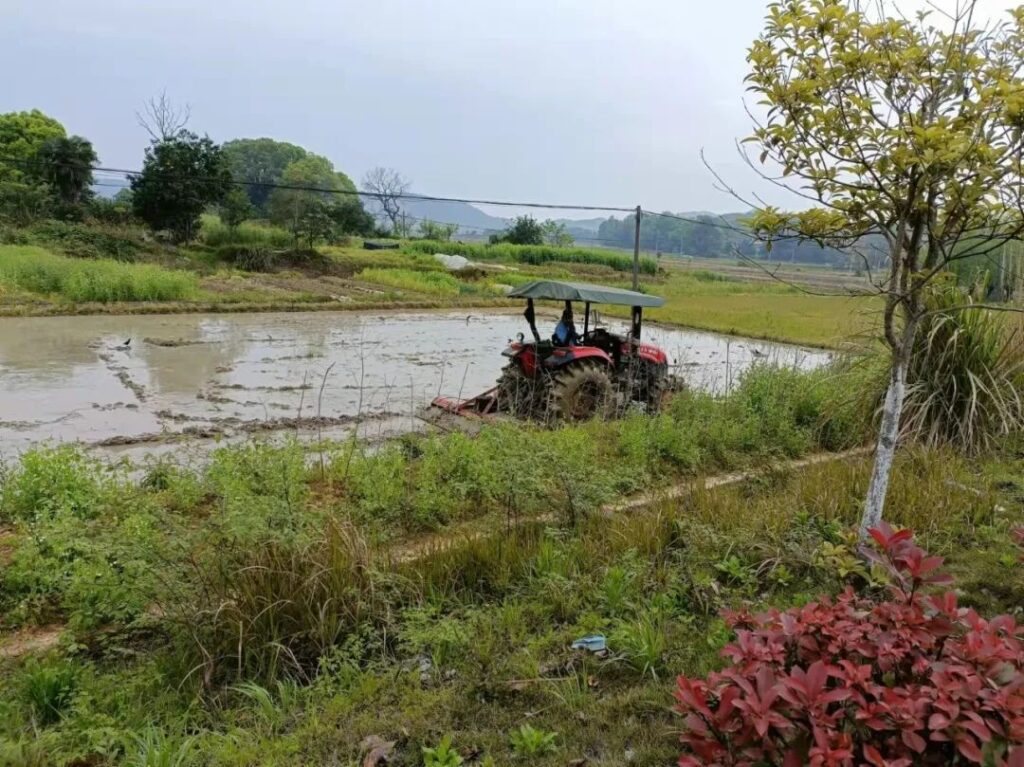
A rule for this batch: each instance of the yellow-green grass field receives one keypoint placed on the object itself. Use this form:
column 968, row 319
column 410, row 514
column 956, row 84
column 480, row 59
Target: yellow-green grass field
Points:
column 40, row 280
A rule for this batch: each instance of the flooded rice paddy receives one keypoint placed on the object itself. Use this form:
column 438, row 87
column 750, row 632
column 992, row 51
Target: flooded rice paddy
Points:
column 125, row 383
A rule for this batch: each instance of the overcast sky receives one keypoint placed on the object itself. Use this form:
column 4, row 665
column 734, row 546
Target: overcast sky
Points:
column 566, row 101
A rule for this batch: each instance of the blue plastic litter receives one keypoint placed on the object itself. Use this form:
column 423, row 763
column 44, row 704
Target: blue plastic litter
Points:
column 593, row 643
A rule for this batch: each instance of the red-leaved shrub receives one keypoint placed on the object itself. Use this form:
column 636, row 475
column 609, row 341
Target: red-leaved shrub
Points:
column 910, row 679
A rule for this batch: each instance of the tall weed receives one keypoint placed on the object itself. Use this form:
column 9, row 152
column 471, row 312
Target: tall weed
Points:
column 101, row 280
column 534, row 254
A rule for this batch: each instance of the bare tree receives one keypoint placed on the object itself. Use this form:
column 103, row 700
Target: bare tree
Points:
column 386, row 186
column 162, row 118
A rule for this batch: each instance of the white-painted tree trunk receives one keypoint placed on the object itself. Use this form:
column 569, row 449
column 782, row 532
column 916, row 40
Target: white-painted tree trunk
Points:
column 888, row 435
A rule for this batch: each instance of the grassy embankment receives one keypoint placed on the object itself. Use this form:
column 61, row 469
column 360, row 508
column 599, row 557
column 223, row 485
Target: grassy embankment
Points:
column 259, row 611
column 222, row 272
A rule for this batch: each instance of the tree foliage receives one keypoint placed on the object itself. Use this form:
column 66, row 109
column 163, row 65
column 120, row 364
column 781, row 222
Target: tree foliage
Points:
column 556, row 233
column 22, row 135
column 65, row 165
column 695, row 235
column 260, row 161
column 236, row 208
column 436, row 232
column 180, row 177
column 524, row 230
column 320, row 209
column 900, row 127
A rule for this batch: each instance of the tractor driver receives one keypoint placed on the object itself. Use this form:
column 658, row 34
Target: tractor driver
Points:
column 565, row 331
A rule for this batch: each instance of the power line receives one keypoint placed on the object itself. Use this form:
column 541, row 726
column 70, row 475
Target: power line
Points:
column 323, row 190
column 465, row 228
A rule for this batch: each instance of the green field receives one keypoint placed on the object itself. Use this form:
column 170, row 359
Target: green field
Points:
column 292, row 606
column 65, row 267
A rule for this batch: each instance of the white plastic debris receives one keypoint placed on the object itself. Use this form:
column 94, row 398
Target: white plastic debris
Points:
column 452, row 263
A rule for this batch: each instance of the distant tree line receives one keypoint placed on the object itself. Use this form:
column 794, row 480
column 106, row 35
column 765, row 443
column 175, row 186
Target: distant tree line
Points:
column 707, row 236
column 47, row 174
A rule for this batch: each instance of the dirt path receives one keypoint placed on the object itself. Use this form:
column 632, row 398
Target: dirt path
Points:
column 36, row 639
column 42, row 639
column 409, row 550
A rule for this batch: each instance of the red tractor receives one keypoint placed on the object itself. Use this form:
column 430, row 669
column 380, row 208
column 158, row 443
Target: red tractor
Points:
column 575, row 375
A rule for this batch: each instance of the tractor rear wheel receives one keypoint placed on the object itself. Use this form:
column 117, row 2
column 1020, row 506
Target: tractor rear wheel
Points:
column 519, row 395
column 580, row 391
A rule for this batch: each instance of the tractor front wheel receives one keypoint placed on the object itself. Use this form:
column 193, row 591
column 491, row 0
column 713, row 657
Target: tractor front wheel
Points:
column 580, row 391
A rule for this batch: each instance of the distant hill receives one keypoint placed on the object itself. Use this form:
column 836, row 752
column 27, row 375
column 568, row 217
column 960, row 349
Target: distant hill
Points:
column 468, row 217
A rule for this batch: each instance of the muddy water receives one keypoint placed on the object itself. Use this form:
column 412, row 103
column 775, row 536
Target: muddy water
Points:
column 158, row 380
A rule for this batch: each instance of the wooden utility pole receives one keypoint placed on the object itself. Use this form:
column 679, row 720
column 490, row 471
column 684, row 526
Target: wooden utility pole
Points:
column 636, row 251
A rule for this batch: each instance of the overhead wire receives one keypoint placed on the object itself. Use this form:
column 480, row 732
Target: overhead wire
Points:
column 331, row 190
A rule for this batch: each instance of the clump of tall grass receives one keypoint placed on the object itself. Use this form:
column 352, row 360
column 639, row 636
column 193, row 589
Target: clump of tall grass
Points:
column 248, row 233
column 964, row 381
column 273, row 609
column 433, row 283
column 101, row 280
column 534, row 254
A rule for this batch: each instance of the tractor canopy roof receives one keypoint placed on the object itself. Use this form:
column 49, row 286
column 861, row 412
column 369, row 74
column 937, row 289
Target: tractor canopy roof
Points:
column 581, row 291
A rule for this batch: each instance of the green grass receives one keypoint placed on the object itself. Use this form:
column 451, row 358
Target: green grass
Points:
column 699, row 298
column 215, row 234
column 82, row 280
column 758, row 309
column 433, row 283
column 534, row 254
column 466, row 646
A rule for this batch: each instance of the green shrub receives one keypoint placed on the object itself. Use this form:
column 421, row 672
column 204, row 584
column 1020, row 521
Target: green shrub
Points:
column 251, row 233
column 50, row 482
column 376, row 483
column 47, row 690
column 529, row 741
column 534, row 254
column 964, row 381
column 22, row 204
column 643, row 643
column 87, row 552
column 251, row 258
column 272, row 610
column 442, row 755
column 103, row 281
column 261, row 489
column 93, row 240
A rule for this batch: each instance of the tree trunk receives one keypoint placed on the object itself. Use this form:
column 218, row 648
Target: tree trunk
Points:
column 885, row 449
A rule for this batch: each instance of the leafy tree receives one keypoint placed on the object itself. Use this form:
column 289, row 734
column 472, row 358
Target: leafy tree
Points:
column 260, row 161
column 321, row 208
column 524, row 230
column 431, row 230
column 22, row 204
column 236, row 207
column 65, row 164
column 555, row 233
column 180, row 178
column 22, row 135
column 706, row 237
column 899, row 127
